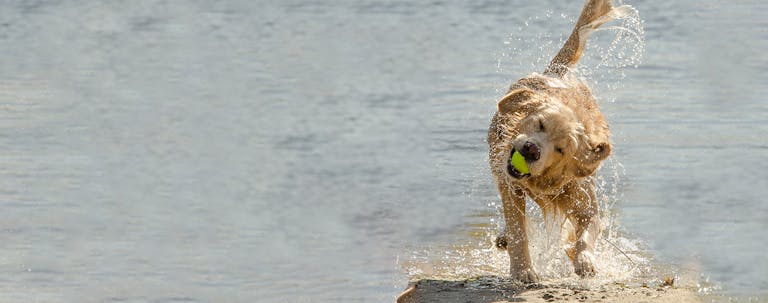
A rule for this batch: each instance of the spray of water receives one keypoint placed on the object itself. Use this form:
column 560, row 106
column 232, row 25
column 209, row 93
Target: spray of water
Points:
column 619, row 257
column 612, row 49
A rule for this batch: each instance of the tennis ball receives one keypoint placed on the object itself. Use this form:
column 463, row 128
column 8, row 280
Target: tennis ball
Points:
column 518, row 162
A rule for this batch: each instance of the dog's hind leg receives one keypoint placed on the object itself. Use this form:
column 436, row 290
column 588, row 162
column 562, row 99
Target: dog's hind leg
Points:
column 594, row 14
column 501, row 240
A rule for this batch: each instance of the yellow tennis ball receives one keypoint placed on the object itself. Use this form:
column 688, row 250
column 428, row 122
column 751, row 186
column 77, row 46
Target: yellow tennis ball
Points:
column 518, row 162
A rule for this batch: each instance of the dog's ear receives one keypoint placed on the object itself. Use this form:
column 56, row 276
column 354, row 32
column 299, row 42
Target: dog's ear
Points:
column 511, row 102
column 591, row 161
column 600, row 151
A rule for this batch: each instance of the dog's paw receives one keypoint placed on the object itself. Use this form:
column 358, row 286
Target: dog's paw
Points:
column 584, row 265
column 526, row 276
column 501, row 242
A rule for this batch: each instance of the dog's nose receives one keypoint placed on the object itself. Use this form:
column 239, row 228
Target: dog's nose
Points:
column 530, row 151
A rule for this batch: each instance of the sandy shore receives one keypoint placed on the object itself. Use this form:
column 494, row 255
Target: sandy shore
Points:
column 497, row 290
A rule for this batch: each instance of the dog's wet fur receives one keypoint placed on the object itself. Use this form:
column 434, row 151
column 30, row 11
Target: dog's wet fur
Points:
column 554, row 121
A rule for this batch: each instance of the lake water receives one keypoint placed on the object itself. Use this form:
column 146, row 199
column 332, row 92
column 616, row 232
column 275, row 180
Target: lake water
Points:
column 329, row 151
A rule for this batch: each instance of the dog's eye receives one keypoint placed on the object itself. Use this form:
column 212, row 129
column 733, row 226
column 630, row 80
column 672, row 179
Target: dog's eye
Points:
column 541, row 125
column 559, row 150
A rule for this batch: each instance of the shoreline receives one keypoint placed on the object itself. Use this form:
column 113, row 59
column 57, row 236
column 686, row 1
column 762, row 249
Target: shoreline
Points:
column 491, row 289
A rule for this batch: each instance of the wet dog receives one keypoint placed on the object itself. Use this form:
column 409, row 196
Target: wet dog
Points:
column 553, row 121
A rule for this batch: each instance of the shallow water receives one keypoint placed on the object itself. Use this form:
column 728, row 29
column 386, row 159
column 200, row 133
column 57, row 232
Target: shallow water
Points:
column 302, row 151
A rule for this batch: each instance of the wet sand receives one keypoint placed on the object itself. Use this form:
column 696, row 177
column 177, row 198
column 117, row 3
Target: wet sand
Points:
column 499, row 290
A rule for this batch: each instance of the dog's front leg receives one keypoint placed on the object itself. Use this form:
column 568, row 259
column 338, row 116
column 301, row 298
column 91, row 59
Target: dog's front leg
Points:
column 582, row 250
column 582, row 211
column 513, row 201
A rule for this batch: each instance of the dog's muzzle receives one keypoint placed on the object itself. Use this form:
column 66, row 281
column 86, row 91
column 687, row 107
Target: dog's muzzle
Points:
column 530, row 151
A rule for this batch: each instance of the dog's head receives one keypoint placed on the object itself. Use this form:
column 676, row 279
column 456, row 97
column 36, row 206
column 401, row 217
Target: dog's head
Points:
column 556, row 142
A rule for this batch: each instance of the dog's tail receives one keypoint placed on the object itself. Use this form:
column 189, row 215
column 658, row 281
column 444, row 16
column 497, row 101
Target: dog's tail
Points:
column 594, row 14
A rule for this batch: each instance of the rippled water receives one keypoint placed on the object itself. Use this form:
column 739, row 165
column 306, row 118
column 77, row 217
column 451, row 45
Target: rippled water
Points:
column 306, row 151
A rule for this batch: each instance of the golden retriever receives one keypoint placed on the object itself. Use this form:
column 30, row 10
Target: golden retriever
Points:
column 553, row 121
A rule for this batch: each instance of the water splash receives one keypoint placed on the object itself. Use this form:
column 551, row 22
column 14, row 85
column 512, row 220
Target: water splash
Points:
column 611, row 49
column 618, row 257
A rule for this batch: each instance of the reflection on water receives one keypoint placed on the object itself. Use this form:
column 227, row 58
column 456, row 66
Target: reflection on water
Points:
column 302, row 151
